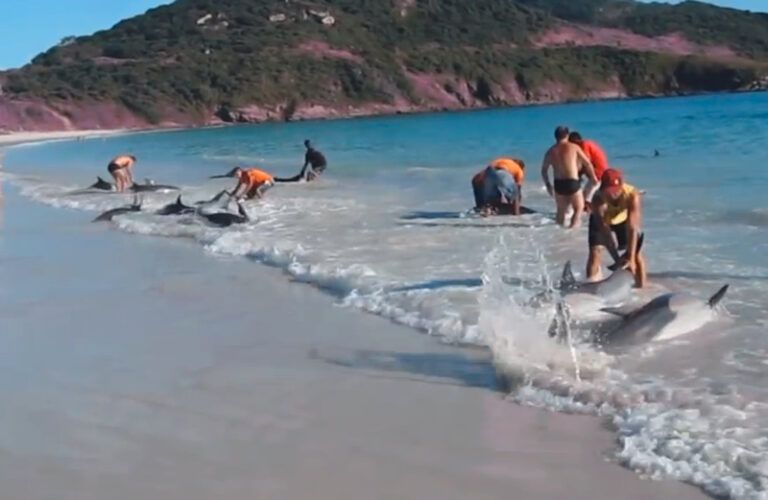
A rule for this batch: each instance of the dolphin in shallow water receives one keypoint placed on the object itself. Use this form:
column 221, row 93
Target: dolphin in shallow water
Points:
column 612, row 290
column 176, row 208
column 226, row 219
column 666, row 316
column 149, row 186
column 102, row 185
column 109, row 214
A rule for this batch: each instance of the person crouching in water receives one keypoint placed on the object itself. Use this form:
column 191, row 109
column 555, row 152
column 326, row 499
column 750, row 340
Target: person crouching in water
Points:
column 251, row 182
column 498, row 188
column 615, row 224
column 120, row 170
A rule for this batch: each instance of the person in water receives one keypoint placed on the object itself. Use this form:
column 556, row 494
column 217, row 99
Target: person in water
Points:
column 615, row 224
column 498, row 187
column 120, row 168
column 314, row 165
column 251, row 183
column 567, row 160
column 594, row 152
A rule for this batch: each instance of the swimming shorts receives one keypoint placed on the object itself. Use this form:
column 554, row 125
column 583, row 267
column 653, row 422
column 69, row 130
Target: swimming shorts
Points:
column 113, row 167
column 620, row 230
column 567, row 187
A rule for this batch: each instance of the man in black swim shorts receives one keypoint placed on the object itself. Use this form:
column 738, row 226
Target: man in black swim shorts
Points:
column 566, row 160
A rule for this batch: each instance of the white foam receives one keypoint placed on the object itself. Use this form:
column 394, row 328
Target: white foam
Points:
column 460, row 280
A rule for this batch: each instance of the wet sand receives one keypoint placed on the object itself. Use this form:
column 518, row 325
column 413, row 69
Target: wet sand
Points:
column 139, row 367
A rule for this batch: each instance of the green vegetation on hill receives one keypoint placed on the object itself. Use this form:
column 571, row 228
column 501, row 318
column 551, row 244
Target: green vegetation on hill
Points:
column 195, row 56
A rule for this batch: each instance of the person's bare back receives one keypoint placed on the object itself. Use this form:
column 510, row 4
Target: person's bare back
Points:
column 566, row 159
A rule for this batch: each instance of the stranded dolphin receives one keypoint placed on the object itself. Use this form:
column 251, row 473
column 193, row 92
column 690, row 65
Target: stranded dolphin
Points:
column 175, row 208
column 665, row 316
column 149, row 186
column 109, row 214
column 226, row 219
column 611, row 290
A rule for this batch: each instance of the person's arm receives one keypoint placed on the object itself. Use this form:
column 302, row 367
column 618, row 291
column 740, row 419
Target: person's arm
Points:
column 240, row 185
column 599, row 208
column 635, row 210
column 545, row 164
column 589, row 170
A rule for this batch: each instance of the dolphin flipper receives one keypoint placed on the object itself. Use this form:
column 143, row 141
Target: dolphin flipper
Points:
column 716, row 298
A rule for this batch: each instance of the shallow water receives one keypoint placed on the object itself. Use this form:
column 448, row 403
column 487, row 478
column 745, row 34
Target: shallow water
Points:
column 387, row 231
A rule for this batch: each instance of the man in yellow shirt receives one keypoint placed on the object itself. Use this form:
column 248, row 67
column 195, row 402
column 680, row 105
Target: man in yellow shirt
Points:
column 615, row 224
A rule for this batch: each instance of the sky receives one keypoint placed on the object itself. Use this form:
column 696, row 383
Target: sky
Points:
column 29, row 27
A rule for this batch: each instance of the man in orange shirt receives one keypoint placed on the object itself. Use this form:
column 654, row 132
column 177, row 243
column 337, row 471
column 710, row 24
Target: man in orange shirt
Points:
column 593, row 151
column 499, row 186
column 252, row 183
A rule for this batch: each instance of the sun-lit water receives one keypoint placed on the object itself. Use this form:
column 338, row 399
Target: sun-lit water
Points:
column 387, row 231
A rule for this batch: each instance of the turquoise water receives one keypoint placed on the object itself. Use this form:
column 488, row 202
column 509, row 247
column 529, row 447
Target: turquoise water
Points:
column 385, row 231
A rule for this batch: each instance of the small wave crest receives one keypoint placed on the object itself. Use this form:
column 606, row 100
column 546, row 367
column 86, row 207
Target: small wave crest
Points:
column 710, row 435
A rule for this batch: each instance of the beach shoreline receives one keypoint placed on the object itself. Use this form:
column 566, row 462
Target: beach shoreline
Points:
column 228, row 381
column 29, row 136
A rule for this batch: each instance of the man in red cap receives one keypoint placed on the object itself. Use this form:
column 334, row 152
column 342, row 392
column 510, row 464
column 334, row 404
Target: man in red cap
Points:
column 615, row 224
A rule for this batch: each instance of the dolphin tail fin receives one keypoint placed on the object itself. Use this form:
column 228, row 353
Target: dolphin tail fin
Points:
column 567, row 279
column 716, row 298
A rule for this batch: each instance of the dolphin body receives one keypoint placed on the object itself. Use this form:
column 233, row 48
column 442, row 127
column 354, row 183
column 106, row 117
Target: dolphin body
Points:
column 149, row 186
column 110, row 214
column 226, row 219
column 176, row 208
column 102, row 185
column 612, row 290
column 666, row 316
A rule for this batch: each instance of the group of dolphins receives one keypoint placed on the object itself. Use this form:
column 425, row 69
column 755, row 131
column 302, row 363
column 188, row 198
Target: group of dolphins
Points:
column 679, row 312
column 207, row 210
column 667, row 315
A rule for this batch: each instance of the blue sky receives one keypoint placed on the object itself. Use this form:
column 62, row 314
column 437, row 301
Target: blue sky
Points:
column 29, row 27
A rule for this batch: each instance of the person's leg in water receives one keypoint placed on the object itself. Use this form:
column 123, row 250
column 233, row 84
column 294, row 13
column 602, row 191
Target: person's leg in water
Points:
column 477, row 191
column 114, row 171
column 577, row 202
column 562, row 202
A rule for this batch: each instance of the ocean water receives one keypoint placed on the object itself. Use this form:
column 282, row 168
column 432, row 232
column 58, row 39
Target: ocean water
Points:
column 387, row 231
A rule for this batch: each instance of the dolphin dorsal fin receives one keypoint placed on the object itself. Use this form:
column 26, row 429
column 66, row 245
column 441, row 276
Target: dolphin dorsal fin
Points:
column 716, row 298
column 567, row 279
column 178, row 200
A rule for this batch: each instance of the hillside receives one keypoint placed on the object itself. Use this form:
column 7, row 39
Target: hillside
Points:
column 207, row 61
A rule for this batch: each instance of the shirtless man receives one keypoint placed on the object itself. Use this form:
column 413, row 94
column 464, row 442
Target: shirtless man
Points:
column 566, row 160
column 120, row 170
column 314, row 165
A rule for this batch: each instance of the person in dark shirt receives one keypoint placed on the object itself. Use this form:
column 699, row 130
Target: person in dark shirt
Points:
column 314, row 165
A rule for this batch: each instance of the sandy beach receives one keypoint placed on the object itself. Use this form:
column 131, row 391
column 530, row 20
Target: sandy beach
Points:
column 12, row 138
column 140, row 367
